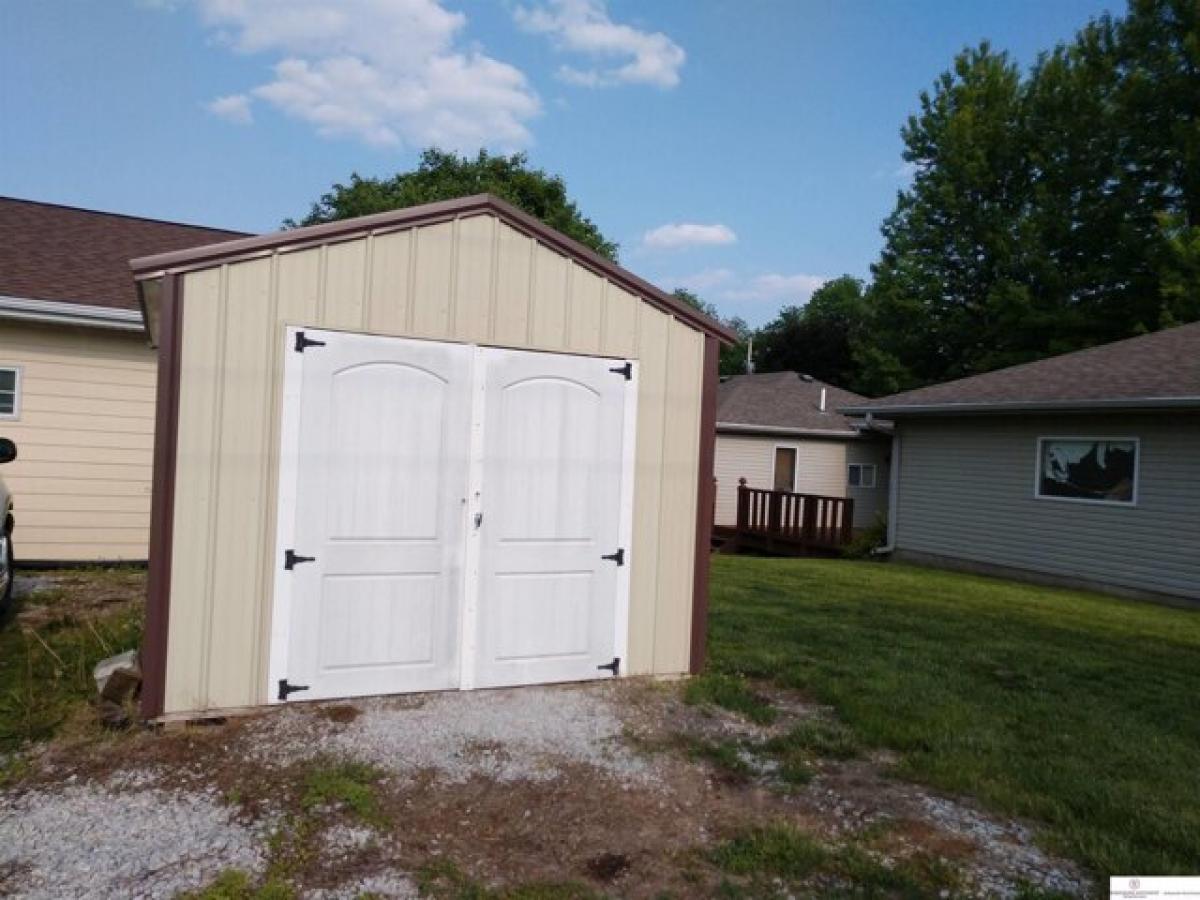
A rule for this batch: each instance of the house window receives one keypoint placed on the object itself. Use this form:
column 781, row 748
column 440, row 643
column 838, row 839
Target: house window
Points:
column 10, row 392
column 785, row 469
column 861, row 475
column 1091, row 470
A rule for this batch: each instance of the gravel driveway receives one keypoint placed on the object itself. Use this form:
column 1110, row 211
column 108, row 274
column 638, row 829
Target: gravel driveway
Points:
column 509, row 784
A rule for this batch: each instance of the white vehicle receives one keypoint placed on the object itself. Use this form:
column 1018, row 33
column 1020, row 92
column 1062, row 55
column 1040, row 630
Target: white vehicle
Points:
column 8, row 452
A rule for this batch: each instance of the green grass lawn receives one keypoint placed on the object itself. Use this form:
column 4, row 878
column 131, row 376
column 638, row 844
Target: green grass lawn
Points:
column 1078, row 711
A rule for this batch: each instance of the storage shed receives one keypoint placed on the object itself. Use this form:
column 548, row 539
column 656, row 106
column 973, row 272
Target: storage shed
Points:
column 439, row 448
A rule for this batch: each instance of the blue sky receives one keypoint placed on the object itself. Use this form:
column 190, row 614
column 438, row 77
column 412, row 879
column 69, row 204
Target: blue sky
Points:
column 745, row 148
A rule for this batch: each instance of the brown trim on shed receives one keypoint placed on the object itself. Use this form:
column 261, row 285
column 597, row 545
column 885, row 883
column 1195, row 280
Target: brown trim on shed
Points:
column 705, row 499
column 209, row 255
column 162, row 503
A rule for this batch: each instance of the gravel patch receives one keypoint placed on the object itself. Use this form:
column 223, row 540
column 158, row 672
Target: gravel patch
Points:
column 392, row 885
column 1007, row 852
column 527, row 733
column 111, row 840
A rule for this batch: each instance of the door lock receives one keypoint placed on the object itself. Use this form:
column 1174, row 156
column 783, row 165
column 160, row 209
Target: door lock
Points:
column 478, row 519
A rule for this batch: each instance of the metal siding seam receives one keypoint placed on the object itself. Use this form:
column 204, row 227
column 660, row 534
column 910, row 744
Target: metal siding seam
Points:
column 214, row 510
column 270, row 443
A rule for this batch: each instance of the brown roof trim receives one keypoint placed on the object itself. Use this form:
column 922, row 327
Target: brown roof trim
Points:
column 214, row 254
column 162, row 501
column 706, row 495
column 1010, row 406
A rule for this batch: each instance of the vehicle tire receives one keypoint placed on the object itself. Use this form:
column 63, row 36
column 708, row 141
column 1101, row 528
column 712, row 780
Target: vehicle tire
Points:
column 6, row 571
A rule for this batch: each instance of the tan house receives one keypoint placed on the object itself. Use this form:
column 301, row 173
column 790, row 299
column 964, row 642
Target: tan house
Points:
column 783, row 431
column 77, row 378
column 439, row 448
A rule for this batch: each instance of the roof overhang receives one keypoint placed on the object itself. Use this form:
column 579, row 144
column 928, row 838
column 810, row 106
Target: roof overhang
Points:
column 1133, row 404
column 781, row 431
column 60, row 312
column 208, row 255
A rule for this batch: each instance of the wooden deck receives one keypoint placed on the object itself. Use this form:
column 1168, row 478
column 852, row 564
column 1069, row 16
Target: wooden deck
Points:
column 787, row 523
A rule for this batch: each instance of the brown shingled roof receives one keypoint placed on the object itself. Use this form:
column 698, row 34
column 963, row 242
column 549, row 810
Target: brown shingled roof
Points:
column 50, row 252
column 1161, row 369
column 784, row 401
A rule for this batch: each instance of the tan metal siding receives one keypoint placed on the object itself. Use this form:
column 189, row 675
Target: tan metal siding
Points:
column 473, row 279
column 966, row 491
column 85, row 438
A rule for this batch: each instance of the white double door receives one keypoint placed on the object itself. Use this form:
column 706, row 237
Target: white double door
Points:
column 450, row 516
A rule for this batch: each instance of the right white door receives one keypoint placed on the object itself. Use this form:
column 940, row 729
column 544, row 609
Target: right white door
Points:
column 551, row 509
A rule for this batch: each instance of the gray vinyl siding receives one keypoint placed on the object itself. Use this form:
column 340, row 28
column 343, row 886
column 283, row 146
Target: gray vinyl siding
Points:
column 966, row 492
column 869, row 503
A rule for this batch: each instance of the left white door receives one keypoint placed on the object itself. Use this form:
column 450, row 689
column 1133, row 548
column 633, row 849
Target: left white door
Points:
column 381, row 468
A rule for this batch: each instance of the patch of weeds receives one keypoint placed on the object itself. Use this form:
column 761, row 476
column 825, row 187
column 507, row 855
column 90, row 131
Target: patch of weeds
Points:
column 811, row 739
column 1027, row 891
column 787, row 854
column 234, row 884
column 912, row 878
column 775, row 850
column 443, row 880
column 350, row 784
column 46, row 672
column 730, row 692
column 725, row 756
column 13, row 769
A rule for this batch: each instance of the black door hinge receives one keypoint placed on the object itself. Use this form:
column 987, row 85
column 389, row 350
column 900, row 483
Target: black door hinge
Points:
column 291, row 560
column 302, row 341
column 613, row 666
column 618, row 557
column 626, row 370
column 285, row 688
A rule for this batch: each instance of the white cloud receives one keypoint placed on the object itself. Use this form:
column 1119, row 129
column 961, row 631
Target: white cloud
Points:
column 387, row 72
column 773, row 286
column 233, row 108
column 621, row 54
column 676, row 235
column 704, row 280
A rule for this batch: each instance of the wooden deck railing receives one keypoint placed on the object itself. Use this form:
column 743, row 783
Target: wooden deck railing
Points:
column 803, row 520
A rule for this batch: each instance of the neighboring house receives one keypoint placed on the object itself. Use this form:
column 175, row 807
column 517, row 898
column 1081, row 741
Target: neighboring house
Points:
column 1082, row 468
column 77, row 377
column 783, row 430
column 398, row 453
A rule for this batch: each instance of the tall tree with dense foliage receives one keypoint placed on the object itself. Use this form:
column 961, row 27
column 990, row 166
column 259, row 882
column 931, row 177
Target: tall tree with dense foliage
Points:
column 445, row 176
column 822, row 338
column 1047, row 213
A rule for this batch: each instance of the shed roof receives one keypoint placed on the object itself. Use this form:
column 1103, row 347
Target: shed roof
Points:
column 783, row 402
column 148, row 267
column 81, row 256
column 1154, row 371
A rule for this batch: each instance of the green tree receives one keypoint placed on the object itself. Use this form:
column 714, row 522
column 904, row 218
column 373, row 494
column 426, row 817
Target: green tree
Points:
column 948, row 287
column 1047, row 213
column 445, row 176
column 823, row 338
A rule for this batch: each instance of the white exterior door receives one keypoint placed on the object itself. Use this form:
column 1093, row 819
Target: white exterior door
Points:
column 384, row 438
column 551, row 504
column 449, row 516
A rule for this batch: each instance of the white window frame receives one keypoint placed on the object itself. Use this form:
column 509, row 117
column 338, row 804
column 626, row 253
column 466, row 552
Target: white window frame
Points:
column 1137, row 469
column 863, row 467
column 17, row 382
column 795, row 448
